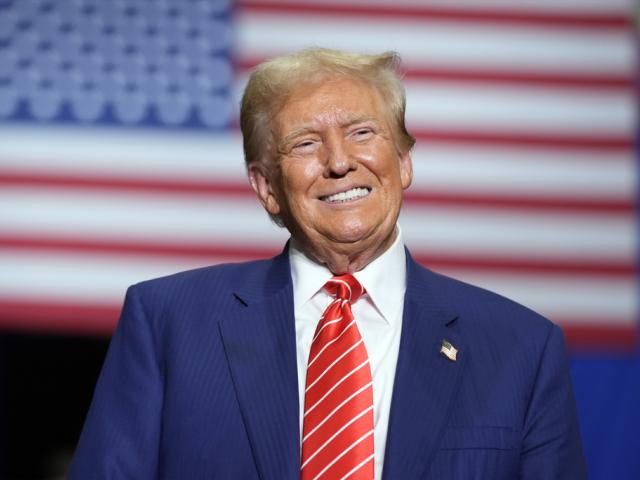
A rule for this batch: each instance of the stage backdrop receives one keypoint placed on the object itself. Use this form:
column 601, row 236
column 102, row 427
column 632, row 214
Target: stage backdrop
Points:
column 120, row 159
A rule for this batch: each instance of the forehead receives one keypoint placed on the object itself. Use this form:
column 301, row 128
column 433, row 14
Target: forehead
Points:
column 336, row 100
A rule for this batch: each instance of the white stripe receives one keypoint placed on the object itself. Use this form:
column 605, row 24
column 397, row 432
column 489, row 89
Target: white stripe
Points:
column 343, row 454
column 358, row 467
column 330, row 342
column 337, row 280
column 442, row 43
column 311, row 408
column 579, row 297
column 336, row 434
column 515, row 171
column 324, row 314
column 334, row 362
column 533, row 234
column 114, row 214
column 330, row 322
column 353, row 395
column 542, row 110
column 122, row 152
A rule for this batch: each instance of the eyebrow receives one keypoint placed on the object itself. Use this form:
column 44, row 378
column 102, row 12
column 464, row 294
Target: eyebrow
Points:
column 297, row 132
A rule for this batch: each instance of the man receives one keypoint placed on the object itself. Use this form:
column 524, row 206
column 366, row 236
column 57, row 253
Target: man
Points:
column 341, row 357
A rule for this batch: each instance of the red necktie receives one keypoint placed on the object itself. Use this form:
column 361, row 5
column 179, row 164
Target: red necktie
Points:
column 337, row 434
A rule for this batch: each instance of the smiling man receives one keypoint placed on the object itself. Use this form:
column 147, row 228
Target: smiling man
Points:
column 341, row 357
column 337, row 177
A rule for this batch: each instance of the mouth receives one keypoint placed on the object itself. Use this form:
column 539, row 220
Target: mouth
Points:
column 347, row 196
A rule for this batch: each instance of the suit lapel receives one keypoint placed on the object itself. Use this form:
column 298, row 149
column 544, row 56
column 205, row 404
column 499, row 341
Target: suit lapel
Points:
column 426, row 381
column 260, row 346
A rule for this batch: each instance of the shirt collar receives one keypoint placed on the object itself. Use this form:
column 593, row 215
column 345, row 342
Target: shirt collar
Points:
column 384, row 279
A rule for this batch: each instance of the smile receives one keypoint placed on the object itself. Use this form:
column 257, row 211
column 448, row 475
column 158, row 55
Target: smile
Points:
column 347, row 196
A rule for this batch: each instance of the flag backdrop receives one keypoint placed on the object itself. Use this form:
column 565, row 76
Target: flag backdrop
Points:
column 120, row 159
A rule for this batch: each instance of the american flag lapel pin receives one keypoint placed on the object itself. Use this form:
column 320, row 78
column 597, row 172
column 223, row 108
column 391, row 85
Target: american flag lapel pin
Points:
column 448, row 350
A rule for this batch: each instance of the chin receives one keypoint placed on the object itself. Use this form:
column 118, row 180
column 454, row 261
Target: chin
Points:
column 353, row 233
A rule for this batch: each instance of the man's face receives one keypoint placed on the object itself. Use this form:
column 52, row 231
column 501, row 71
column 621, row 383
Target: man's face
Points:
column 338, row 179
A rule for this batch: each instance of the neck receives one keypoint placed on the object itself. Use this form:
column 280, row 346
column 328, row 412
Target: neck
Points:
column 346, row 258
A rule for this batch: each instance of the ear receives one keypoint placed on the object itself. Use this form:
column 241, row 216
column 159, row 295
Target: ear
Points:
column 264, row 188
column 406, row 169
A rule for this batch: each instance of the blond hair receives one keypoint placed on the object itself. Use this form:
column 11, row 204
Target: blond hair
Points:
column 271, row 83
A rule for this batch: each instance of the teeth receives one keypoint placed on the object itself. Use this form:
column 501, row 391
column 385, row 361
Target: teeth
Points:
column 348, row 195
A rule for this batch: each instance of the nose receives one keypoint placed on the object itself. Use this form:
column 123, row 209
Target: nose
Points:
column 339, row 160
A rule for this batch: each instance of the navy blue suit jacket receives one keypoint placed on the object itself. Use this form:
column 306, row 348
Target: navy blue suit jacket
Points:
column 200, row 382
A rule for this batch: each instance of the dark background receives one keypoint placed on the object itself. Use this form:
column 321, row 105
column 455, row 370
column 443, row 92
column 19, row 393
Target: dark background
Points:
column 47, row 384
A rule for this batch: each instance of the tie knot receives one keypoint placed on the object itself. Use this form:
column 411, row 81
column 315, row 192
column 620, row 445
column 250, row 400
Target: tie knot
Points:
column 344, row 287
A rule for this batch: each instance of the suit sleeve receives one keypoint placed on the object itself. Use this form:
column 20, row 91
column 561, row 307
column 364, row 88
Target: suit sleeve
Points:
column 120, row 438
column 552, row 448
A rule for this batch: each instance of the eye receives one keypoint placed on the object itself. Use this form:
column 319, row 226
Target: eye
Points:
column 304, row 146
column 362, row 133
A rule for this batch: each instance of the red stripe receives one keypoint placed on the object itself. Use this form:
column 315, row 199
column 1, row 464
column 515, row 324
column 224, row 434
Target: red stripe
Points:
column 536, row 79
column 390, row 12
column 174, row 251
column 45, row 316
column 526, row 266
column 486, row 201
column 541, row 79
column 208, row 253
column 182, row 187
column 524, row 140
column 39, row 316
column 601, row 336
column 412, row 196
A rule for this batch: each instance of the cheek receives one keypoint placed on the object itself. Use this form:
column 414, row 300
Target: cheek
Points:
column 381, row 160
column 366, row 154
column 309, row 170
column 299, row 175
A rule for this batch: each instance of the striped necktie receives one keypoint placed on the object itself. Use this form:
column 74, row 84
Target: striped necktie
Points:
column 337, row 434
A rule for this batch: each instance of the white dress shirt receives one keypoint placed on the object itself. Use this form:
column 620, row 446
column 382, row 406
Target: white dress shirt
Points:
column 378, row 314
